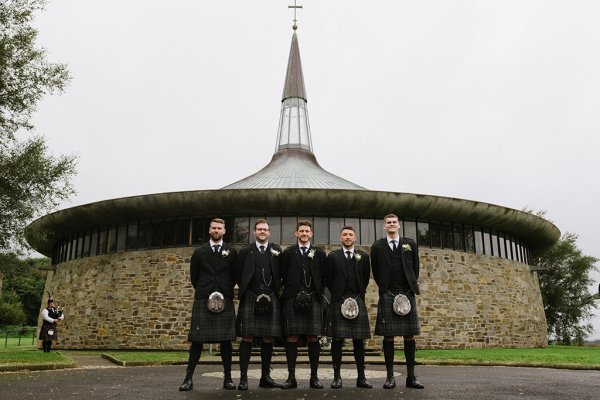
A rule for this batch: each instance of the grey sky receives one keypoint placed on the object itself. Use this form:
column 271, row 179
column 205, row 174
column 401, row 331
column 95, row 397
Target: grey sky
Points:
column 481, row 100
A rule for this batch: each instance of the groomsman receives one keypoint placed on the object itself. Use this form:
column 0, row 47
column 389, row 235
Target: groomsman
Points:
column 347, row 275
column 259, row 311
column 302, row 279
column 212, row 272
column 395, row 263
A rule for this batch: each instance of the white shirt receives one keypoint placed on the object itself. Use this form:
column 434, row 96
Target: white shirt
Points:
column 47, row 317
column 348, row 250
column 266, row 244
column 212, row 244
column 389, row 240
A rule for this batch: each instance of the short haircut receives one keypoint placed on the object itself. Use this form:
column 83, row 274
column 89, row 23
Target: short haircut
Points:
column 303, row 222
column 348, row 227
column 217, row 220
column 391, row 216
column 260, row 221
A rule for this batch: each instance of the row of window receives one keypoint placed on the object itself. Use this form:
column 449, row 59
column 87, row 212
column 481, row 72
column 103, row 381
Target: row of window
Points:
column 136, row 235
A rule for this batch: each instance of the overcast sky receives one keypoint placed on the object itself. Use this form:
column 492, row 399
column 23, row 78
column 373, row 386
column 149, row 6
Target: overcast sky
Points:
column 495, row 101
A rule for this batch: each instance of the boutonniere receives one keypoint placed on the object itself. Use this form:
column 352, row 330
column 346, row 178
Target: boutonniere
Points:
column 311, row 253
column 225, row 253
column 357, row 257
column 274, row 252
column 406, row 247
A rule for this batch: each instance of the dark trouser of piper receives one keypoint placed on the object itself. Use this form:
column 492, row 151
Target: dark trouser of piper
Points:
column 409, row 353
column 46, row 345
column 194, row 357
column 359, row 358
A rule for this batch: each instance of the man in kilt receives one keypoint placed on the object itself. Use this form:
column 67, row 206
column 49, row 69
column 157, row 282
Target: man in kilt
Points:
column 302, row 311
column 49, row 332
column 395, row 263
column 259, row 313
column 347, row 274
column 212, row 272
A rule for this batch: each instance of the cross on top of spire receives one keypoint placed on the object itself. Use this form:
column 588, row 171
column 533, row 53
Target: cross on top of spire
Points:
column 295, row 7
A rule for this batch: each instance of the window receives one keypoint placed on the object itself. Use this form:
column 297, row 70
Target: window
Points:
column 435, row 231
column 447, row 235
column 367, row 231
column 288, row 230
column 423, row 234
column 321, row 230
column 410, row 229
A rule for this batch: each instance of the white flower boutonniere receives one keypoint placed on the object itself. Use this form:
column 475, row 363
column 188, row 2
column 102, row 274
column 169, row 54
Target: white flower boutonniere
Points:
column 406, row 247
column 225, row 253
column 274, row 252
column 357, row 257
column 311, row 253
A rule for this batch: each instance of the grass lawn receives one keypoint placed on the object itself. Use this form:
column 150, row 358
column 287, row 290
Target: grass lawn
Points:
column 549, row 356
column 149, row 356
column 30, row 355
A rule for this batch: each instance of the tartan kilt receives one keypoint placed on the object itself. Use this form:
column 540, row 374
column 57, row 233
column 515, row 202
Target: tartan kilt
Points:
column 44, row 335
column 250, row 323
column 209, row 327
column 391, row 324
column 302, row 323
column 340, row 327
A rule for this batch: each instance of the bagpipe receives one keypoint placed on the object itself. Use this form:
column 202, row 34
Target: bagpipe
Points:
column 59, row 307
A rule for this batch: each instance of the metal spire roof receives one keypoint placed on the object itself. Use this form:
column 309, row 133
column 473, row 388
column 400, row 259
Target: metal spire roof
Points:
column 293, row 165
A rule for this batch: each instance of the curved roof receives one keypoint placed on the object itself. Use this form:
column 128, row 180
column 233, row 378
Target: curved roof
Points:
column 43, row 233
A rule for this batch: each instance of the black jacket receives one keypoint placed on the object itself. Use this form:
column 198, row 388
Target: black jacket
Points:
column 337, row 268
column 291, row 270
column 246, row 262
column 381, row 262
column 210, row 271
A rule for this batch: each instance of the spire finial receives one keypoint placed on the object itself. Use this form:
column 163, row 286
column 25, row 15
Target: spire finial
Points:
column 295, row 7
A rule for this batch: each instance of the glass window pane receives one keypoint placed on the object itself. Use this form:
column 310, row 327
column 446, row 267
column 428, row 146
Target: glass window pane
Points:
column 502, row 245
column 495, row 249
column 102, row 241
column 132, row 236
column 423, row 234
column 68, row 257
column 469, row 239
column 367, row 231
column 242, row 230
column 111, row 240
column 121, row 237
column 144, row 235
column 487, row 245
column 94, row 243
column 275, row 227
column 288, row 230
column 435, row 231
column 168, row 228
column 229, row 229
column 335, row 229
column 182, row 232
column 478, row 241
column 447, row 236
column 157, row 233
column 199, row 230
column 410, row 229
column 459, row 238
column 79, row 245
column 513, row 248
column 321, row 230
column 379, row 232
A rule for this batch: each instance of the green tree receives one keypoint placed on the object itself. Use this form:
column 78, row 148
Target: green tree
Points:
column 32, row 181
column 565, row 284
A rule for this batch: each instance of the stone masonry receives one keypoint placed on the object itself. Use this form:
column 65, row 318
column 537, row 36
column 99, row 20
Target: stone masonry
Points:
column 143, row 300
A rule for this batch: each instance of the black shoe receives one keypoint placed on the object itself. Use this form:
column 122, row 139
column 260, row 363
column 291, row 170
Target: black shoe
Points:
column 362, row 383
column 290, row 384
column 390, row 383
column 336, row 383
column 186, row 386
column 315, row 383
column 412, row 382
column 228, row 383
column 243, row 384
column 268, row 383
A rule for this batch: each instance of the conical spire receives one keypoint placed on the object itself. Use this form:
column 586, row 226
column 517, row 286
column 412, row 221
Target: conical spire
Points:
column 293, row 165
column 294, row 129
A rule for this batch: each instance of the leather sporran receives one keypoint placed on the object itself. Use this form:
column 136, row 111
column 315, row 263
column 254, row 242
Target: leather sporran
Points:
column 349, row 308
column 401, row 305
column 216, row 302
column 303, row 301
column 263, row 304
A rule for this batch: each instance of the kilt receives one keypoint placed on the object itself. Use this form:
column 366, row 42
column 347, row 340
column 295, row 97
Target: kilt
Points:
column 302, row 323
column 340, row 327
column 250, row 323
column 45, row 334
column 209, row 327
column 391, row 324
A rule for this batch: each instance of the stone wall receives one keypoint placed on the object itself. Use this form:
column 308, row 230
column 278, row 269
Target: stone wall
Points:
column 143, row 300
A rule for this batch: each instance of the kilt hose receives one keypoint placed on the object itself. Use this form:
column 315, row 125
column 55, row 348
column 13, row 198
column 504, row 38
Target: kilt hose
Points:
column 209, row 327
column 302, row 323
column 340, row 327
column 391, row 324
column 250, row 323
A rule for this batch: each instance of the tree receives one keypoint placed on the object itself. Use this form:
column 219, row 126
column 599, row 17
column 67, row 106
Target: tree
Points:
column 32, row 181
column 564, row 286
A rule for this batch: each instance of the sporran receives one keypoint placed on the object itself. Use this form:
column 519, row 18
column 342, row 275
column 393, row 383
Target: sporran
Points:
column 263, row 304
column 349, row 308
column 401, row 305
column 216, row 302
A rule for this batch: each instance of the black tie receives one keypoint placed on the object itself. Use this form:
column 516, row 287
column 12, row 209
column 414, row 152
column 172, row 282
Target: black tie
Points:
column 216, row 247
column 303, row 248
column 262, row 249
column 393, row 245
column 348, row 254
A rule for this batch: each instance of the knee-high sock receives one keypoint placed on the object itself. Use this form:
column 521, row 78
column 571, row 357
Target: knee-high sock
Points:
column 336, row 354
column 244, row 354
column 388, row 355
column 266, row 353
column 410, row 347
column 291, row 354
column 359, row 357
column 194, row 356
column 314, row 352
column 226, row 355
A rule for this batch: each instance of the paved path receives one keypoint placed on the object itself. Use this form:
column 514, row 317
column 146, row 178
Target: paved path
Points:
column 442, row 382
